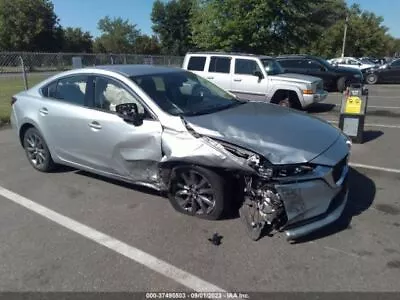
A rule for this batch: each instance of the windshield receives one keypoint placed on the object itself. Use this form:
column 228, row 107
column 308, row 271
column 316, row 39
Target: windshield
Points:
column 272, row 67
column 185, row 93
column 366, row 61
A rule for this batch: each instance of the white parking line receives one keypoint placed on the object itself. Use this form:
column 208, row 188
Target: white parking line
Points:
column 390, row 170
column 371, row 125
column 186, row 279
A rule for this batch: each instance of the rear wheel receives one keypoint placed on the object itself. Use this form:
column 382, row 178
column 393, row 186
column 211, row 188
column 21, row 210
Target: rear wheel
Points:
column 37, row 151
column 372, row 79
column 198, row 192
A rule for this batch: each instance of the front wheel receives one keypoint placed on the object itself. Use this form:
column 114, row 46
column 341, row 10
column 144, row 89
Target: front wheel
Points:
column 372, row 79
column 198, row 192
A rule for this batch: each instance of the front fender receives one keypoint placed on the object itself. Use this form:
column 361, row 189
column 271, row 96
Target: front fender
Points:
column 291, row 88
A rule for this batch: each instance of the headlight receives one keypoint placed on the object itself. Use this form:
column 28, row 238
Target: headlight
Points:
column 284, row 171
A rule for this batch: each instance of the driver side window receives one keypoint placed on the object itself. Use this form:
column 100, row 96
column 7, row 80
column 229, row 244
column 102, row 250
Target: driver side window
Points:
column 246, row 67
column 109, row 93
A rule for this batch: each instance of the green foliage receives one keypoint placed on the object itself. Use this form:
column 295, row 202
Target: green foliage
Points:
column 118, row 36
column 171, row 22
column 289, row 26
column 76, row 40
column 147, row 45
column 29, row 26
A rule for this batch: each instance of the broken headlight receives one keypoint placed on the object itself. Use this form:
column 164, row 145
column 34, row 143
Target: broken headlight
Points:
column 284, row 171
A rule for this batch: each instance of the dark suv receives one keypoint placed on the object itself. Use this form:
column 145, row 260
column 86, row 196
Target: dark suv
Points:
column 335, row 78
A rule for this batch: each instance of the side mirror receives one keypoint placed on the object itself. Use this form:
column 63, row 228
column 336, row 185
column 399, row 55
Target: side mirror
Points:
column 259, row 75
column 322, row 68
column 129, row 112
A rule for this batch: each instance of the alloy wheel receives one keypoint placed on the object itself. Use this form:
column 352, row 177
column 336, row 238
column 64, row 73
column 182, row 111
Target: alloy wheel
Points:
column 36, row 150
column 194, row 193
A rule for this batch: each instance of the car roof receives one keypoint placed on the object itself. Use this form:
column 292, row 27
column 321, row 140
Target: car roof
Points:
column 303, row 56
column 228, row 53
column 137, row 70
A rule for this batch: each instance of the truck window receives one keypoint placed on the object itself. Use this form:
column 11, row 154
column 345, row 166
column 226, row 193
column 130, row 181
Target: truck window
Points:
column 220, row 64
column 246, row 67
column 289, row 63
column 197, row 63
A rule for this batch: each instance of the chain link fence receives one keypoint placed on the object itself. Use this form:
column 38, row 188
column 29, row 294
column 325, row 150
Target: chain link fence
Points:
column 20, row 70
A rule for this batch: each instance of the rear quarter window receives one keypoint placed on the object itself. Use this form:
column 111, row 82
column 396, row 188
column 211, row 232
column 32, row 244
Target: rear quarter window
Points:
column 196, row 63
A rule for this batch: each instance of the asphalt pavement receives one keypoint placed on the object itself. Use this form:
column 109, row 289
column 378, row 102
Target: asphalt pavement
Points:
column 82, row 232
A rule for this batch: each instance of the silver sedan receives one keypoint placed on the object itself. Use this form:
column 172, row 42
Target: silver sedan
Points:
column 174, row 131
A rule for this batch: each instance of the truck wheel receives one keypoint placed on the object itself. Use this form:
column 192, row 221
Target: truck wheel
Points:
column 197, row 191
column 285, row 103
column 372, row 79
column 341, row 84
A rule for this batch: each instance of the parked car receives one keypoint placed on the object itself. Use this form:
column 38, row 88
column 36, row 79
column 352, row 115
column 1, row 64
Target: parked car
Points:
column 199, row 145
column 335, row 78
column 254, row 77
column 351, row 62
column 373, row 60
column 387, row 73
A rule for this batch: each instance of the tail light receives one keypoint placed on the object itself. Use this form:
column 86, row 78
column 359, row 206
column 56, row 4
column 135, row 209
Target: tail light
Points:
column 13, row 100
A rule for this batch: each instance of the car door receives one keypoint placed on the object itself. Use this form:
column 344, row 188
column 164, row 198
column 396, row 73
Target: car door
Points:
column 315, row 68
column 219, row 71
column 248, row 80
column 117, row 146
column 392, row 72
column 64, row 118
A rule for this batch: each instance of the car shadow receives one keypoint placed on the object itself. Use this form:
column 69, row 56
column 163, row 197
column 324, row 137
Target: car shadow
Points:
column 362, row 192
column 320, row 108
column 371, row 135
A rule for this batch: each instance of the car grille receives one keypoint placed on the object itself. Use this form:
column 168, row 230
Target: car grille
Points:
column 338, row 169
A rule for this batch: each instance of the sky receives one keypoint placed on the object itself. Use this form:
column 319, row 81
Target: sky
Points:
column 86, row 13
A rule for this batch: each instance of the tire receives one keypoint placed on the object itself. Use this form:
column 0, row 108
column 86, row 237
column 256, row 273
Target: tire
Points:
column 189, row 188
column 285, row 103
column 371, row 78
column 37, row 152
column 341, row 84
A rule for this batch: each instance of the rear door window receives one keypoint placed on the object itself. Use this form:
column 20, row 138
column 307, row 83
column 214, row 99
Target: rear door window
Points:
column 220, row 64
column 197, row 63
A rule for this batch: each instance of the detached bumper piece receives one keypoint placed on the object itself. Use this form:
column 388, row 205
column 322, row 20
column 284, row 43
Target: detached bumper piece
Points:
column 333, row 213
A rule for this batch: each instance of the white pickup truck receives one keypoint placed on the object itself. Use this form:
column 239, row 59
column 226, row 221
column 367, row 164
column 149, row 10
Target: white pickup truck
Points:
column 253, row 77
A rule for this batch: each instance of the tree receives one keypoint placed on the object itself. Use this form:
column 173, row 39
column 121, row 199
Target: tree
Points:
column 76, row 40
column 147, row 45
column 262, row 26
column 118, row 36
column 366, row 36
column 171, row 22
column 29, row 26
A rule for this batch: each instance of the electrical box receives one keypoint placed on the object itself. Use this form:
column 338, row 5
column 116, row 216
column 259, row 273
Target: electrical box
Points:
column 353, row 111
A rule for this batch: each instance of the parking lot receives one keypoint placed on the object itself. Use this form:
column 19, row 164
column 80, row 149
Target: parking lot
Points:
column 73, row 231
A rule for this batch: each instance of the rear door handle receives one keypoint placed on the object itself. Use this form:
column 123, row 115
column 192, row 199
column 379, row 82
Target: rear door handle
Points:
column 95, row 125
column 237, row 79
column 44, row 111
column 210, row 77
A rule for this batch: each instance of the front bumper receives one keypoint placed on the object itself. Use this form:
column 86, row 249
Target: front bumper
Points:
column 315, row 98
column 315, row 203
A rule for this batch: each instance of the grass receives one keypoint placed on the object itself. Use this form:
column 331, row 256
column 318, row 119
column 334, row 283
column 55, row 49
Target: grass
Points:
column 10, row 86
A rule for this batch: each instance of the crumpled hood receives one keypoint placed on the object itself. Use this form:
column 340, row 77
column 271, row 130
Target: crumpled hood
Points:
column 293, row 77
column 281, row 135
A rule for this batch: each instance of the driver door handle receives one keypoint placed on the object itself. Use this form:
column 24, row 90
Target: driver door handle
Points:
column 210, row 77
column 95, row 125
column 44, row 111
column 237, row 79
